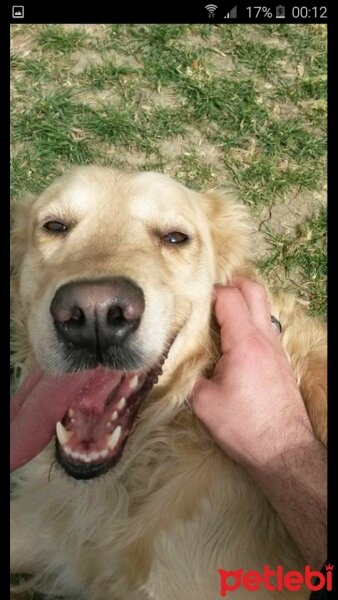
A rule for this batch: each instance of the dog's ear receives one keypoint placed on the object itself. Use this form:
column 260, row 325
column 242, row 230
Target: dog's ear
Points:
column 20, row 216
column 230, row 229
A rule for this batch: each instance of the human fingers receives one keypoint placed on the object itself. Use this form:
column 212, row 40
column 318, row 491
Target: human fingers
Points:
column 232, row 314
column 257, row 303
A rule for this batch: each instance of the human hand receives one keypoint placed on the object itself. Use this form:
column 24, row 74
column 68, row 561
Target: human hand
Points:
column 251, row 406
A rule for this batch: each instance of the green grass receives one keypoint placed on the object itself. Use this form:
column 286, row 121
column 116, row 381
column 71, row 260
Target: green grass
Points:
column 97, row 78
column 57, row 41
column 303, row 255
column 264, row 59
column 257, row 94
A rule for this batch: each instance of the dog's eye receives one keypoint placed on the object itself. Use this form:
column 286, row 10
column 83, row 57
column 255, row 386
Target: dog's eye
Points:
column 175, row 237
column 55, row 226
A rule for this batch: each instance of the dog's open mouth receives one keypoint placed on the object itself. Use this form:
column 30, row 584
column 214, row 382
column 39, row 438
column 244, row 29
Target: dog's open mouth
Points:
column 92, row 434
column 91, row 413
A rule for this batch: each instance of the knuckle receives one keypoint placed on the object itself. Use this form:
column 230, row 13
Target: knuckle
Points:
column 258, row 291
column 225, row 296
column 232, row 292
column 258, row 288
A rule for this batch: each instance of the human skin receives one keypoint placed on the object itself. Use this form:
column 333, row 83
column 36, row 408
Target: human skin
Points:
column 253, row 409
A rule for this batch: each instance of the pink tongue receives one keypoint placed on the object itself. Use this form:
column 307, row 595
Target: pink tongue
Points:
column 42, row 400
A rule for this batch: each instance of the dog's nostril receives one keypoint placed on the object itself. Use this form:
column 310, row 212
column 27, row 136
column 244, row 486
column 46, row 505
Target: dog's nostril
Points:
column 77, row 315
column 67, row 315
column 76, row 318
column 115, row 314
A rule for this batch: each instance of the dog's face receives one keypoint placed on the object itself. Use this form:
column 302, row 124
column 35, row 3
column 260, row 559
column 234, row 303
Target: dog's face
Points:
column 117, row 271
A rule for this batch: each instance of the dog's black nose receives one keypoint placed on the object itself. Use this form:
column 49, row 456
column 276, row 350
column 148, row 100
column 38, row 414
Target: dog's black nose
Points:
column 97, row 314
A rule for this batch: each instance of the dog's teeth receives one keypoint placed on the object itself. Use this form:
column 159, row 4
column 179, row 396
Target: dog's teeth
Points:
column 133, row 382
column 93, row 456
column 62, row 434
column 71, row 412
column 121, row 404
column 104, row 453
column 114, row 415
column 67, row 450
column 114, row 438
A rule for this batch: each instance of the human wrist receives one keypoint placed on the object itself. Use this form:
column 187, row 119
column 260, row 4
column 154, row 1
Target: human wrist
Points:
column 277, row 444
column 296, row 462
column 295, row 484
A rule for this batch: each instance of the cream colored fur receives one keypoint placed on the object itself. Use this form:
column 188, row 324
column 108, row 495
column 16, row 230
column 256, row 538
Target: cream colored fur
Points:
column 175, row 509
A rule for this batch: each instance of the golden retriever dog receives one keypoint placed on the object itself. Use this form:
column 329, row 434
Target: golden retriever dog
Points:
column 131, row 499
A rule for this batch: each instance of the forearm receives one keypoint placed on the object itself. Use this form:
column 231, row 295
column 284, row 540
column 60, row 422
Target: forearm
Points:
column 254, row 410
column 295, row 483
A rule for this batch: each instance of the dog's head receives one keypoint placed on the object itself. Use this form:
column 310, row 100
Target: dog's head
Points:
column 116, row 272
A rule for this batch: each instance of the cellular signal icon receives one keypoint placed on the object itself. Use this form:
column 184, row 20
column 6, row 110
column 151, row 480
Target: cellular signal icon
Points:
column 211, row 8
column 232, row 14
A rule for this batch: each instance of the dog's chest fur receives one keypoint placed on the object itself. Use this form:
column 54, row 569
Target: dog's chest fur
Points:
column 165, row 525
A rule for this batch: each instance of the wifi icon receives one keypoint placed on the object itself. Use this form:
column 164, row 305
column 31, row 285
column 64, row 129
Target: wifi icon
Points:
column 211, row 8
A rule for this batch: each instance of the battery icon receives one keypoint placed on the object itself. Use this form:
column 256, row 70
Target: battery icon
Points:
column 280, row 12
